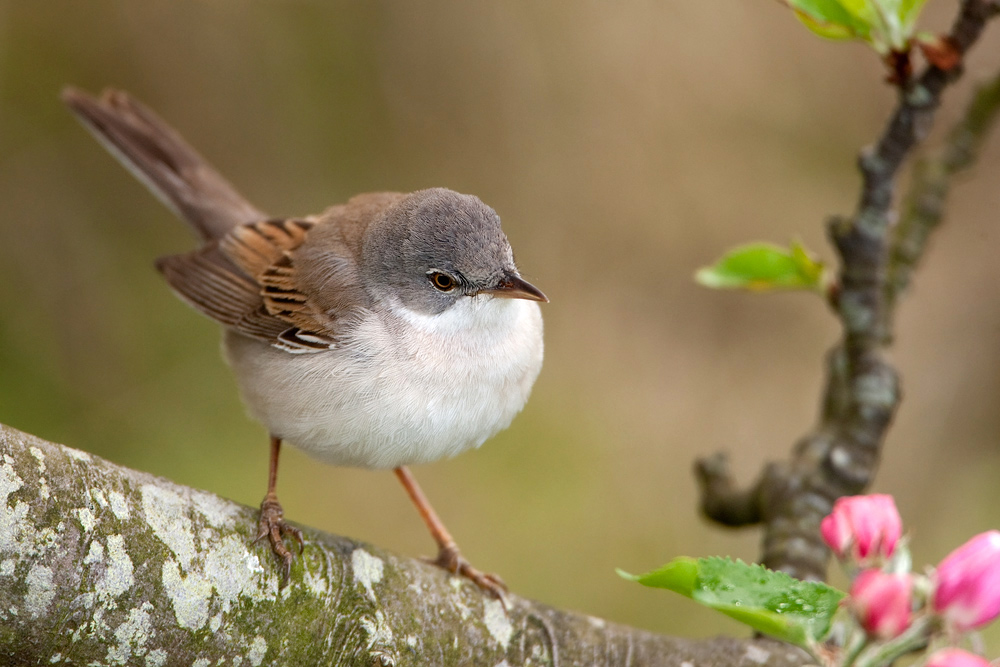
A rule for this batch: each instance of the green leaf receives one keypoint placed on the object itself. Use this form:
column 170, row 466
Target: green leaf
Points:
column 887, row 25
column 799, row 612
column 909, row 12
column 763, row 266
column 826, row 30
column 828, row 11
column 835, row 19
column 679, row 575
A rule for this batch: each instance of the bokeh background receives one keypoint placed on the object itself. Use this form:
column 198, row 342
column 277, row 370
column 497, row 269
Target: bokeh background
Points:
column 624, row 145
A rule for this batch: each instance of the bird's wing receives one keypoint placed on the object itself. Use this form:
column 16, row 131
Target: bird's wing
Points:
column 212, row 284
column 267, row 252
column 265, row 280
column 247, row 281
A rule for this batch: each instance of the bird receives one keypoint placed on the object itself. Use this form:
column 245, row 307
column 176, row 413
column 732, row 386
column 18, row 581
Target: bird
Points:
column 390, row 330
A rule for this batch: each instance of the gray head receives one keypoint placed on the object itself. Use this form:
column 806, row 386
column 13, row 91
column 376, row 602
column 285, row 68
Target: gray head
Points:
column 436, row 247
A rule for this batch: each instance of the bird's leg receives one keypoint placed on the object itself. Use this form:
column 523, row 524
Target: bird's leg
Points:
column 448, row 556
column 272, row 523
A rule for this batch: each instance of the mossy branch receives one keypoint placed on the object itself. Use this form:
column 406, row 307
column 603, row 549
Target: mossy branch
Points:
column 102, row 565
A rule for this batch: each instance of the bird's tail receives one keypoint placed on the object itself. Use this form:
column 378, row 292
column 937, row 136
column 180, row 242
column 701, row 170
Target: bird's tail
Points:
column 157, row 155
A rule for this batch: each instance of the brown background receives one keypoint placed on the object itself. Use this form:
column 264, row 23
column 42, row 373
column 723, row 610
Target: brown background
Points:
column 624, row 145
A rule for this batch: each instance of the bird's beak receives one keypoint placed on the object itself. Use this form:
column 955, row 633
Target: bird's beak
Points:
column 513, row 287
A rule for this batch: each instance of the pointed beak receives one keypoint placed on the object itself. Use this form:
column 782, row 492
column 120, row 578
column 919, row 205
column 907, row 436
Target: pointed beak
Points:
column 513, row 287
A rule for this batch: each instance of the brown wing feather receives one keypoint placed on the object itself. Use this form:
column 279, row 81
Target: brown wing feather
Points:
column 256, row 246
column 207, row 281
column 263, row 280
column 247, row 281
column 264, row 250
column 203, row 279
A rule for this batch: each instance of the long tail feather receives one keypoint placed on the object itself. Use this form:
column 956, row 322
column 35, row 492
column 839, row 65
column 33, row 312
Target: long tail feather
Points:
column 157, row 155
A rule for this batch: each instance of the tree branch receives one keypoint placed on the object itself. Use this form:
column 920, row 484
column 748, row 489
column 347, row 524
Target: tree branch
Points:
column 102, row 565
column 925, row 202
column 841, row 455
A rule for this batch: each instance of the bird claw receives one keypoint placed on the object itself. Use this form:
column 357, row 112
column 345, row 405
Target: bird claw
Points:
column 272, row 525
column 450, row 559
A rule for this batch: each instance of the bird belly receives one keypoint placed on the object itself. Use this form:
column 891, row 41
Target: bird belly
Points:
column 397, row 392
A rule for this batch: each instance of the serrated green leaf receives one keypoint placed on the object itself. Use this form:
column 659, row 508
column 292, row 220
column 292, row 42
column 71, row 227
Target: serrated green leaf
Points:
column 768, row 601
column 763, row 266
column 799, row 612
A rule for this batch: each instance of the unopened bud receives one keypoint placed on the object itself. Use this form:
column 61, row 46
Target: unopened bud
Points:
column 956, row 657
column 882, row 602
column 967, row 583
column 862, row 527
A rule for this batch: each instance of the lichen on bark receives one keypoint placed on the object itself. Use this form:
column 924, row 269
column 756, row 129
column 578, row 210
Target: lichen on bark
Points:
column 102, row 565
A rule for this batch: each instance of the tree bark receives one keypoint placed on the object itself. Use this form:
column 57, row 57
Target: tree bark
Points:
column 102, row 565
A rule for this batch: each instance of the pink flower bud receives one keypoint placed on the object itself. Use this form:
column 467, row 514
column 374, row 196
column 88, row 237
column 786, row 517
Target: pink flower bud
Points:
column 882, row 602
column 862, row 526
column 956, row 657
column 967, row 583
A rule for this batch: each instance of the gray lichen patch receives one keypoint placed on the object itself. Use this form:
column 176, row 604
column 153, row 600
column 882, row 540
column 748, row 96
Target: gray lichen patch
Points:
column 86, row 518
column 131, row 637
column 41, row 590
column 166, row 513
column 367, row 571
column 215, row 584
column 257, row 651
column 235, row 573
column 208, row 574
column 12, row 516
column 118, row 505
column 379, row 641
column 217, row 512
column 117, row 578
column 190, row 595
column 497, row 622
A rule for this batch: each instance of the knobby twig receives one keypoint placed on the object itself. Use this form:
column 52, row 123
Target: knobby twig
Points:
column 862, row 393
column 101, row 565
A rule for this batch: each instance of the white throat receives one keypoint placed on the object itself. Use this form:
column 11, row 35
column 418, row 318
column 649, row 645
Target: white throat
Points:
column 470, row 321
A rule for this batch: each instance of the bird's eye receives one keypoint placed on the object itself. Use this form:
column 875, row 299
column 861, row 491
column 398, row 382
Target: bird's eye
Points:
column 442, row 281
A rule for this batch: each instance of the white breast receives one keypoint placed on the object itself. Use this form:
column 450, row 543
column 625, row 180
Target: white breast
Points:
column 402, row 387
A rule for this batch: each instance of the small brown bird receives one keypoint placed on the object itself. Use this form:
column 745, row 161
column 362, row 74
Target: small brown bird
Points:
column 390, row 330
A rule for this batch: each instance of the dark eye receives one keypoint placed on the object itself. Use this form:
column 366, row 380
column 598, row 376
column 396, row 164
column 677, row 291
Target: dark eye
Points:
column 442, row 281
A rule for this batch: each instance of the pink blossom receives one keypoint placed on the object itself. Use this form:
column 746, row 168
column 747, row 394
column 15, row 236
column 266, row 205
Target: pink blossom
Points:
column 967, row 583
column 862, row 526
column 956, row 657
column 882, row 602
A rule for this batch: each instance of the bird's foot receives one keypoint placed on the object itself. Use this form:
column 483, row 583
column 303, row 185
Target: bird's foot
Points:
column 451, row 559
column 272, row 526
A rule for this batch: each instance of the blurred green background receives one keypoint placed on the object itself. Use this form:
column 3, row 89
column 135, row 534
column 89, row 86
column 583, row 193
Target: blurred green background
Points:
column 624, row 145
